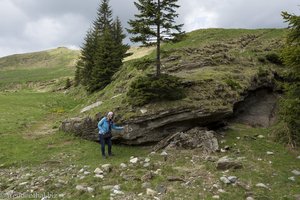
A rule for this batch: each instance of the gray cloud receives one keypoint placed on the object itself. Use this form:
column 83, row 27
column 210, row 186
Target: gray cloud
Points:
column 34, row 25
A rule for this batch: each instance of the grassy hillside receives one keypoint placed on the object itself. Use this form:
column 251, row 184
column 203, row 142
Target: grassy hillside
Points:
column 37, row 67
column 220, row 63
column 37, row 158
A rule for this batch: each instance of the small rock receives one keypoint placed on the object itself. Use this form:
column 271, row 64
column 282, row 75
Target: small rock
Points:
column 117, row 187
column 146, row 185
column 99, row 176
column 146, row 165
column 98, row 171
column 61, row 195
column 80, row 171
column 221, row 191
column 148, row 176
column 23, row 183
column 134, row 160
column 238, row 138
column 80, row 188
column 292, row 178
column 118, row 192
column 249, row 198
column 157, row 172
column 108, row 187
column 225, row 163
column 140, row 194
column 270, row 153
column 151, row 192
column 143, row 111
column 261, row 136
column 123, row 165
column 86, row 173
column 107, row 168
column 153, row 153
column 164, row 153
column 262, row 185
column 296, row 172
column 225, row 180
column 147, row 160
column 90, row 190
column 232, row 179
column 216, row 197
column 298, row 157
column 161, row 189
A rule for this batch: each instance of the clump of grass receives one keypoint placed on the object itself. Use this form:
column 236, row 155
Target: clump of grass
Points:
column 233, row 84
column 274, row 58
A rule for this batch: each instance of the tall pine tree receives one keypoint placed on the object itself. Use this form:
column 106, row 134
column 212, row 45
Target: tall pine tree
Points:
column 156, row 19
column 102, row 52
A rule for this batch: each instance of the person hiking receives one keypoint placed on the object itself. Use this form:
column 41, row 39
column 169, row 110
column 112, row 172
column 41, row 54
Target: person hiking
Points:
column 105, row 126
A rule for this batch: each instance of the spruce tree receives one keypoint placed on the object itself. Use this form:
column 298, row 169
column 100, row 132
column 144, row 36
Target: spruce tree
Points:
column 102, row 52
column 156, row 19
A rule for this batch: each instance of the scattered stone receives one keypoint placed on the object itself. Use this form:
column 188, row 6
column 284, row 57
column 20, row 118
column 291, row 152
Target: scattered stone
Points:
column 225, row 180
column 143, row 111
column 23, row 183
column 146, row 165
column 153, row 153
column 80, row 188
column 151, row 192
column 175, row 178
column 134, row 160
column 211, row 158
column 221, row 191
column 146, row 185
column 225, row 163
column 148, row 176
column 108, row 187
column 232, row 179
column 261, row 136
column 164, row 153
column 262, row 185
column 86, row 173
column 243, row 185
column 94, row 105
column 238, row 138
column 157, row 172
column 216, row 197
column 161, row 189
column 118, row 192
column 296, row 172
column 123, row 165
column 81, row 170
column 90, row 190
column 292, row 178
column 270, row 153
column 61, row 195
column 99, row 176
column 147, row 160
column 298, row 157
column 98, row 171
column 249, row 198
column 107, row 168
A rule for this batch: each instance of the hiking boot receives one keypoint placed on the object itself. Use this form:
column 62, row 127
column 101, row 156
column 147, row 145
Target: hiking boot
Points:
column 104, row 156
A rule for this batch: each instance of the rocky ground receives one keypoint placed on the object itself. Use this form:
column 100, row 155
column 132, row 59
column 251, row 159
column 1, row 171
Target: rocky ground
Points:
column 177, row 171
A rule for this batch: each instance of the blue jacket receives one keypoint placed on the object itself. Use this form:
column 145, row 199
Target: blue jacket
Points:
column 103, row 126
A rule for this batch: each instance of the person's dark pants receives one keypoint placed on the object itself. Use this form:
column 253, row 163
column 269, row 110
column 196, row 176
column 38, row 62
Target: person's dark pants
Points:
column 102, row 142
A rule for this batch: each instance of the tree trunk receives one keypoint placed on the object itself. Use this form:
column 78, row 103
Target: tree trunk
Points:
column 158, row 41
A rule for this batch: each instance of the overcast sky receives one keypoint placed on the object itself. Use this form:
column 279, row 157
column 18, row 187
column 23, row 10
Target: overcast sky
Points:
column 34, row 25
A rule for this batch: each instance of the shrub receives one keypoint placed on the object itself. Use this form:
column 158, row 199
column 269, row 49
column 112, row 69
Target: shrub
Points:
column 261, row 59
column 288, row 130
column 68, row 83
column 153, row 89
column 274, row 58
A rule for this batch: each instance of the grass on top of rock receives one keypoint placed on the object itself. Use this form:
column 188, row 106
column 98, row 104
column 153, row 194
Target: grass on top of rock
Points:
column 151, row 88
